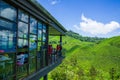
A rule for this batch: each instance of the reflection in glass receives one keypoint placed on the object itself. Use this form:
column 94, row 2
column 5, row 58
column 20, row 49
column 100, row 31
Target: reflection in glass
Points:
column 39, row 34
column 43, row 44
column 33, row 42
column 22, row 43
column 44, row 29
column 43, row 56
column 40, row 25
column 7, row 25
column 6, row 66
column 22, row 30
column 22, row 16
column 32, row 64
column 33, row 52
column 33, row 26
column 22, row 58
column 39, row 45
column 21, row 71
column 7, row 37
column 44, row 33
column 38, row 61
column 39, row 56
column 32, row 55
column 44, row 37
column 7, row 11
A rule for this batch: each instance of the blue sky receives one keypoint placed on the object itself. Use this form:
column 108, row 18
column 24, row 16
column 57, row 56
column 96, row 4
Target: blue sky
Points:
column 99, row 18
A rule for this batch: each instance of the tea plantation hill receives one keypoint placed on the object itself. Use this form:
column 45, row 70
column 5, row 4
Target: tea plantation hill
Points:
column 88, row 60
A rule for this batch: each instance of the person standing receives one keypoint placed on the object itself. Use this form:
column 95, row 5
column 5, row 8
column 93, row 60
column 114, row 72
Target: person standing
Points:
column 59, row 48
column 50, row 53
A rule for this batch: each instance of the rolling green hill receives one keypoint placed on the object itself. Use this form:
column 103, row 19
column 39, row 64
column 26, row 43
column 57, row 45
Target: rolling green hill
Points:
column 89, row 60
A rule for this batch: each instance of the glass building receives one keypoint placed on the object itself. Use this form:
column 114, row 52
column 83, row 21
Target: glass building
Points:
column 25, row 27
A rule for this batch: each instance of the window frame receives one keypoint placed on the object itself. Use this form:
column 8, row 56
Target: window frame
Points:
column 27, row 38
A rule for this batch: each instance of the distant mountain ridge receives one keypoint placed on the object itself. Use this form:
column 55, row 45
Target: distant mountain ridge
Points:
column 82, row 38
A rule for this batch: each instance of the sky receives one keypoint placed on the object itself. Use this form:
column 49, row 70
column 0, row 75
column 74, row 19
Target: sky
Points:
column 94, row 18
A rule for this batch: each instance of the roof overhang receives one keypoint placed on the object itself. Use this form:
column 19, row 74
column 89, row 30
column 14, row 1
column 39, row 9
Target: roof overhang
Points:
column 35, row 9
column 55, row 28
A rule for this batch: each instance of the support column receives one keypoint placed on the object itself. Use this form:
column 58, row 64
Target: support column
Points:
column 60, row 40
column 45, row 77
column 61, row 45
column 46, row 44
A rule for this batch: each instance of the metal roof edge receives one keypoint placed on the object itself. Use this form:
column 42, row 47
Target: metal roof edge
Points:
column 47, row 13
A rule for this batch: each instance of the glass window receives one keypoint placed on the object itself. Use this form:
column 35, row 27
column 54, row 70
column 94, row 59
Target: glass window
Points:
column 39, row 52
column 7, row 66
column 21, row 72
column 33, row 26
column 44, row 29
column 22, row 30
column 22, row 58
column 39, row 56
column 40, row 25
column 44, row 37
column 38, row 61
column 44, row 33
column 39, row 45
column 22, row 43
column 22, row 16
column 43, row 43
column 7, row 11
column 39, row 34
column 33, row 52
column 33, row 42
column 43, row 61
column 7, row 37
column 39, row 31
column 4, row 25
column 32, row 61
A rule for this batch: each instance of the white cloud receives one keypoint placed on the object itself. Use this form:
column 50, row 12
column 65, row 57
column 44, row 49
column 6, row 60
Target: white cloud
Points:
column 22, row 27
column 95, row 28
column 54, row 2
column 9, row 13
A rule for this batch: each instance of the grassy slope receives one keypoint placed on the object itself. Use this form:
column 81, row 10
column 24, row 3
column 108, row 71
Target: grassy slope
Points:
column 108, row 53
column 102, row 56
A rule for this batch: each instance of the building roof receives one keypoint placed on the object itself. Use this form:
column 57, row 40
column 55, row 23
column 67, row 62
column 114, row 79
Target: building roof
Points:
column 35, row 9
column 53, row 20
